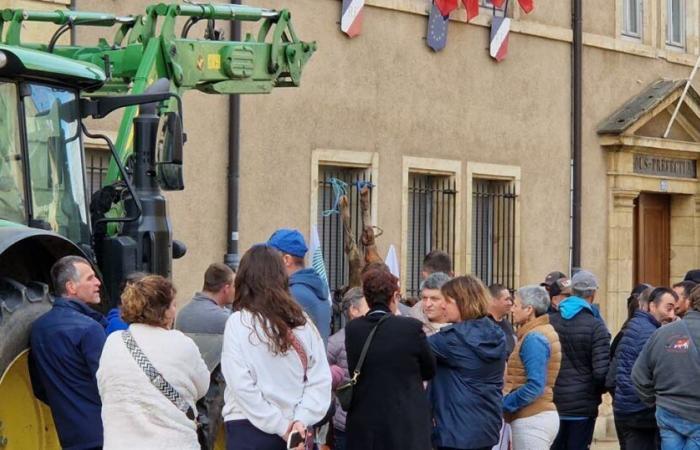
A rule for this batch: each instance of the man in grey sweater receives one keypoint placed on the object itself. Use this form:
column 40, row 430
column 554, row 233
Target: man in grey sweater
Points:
column 204, row 320
column 665, row 375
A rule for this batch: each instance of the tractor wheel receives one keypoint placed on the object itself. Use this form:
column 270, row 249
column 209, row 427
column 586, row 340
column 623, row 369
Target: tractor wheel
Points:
column 25, row 422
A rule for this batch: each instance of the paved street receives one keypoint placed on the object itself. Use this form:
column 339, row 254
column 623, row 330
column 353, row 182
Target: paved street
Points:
column 605, row 445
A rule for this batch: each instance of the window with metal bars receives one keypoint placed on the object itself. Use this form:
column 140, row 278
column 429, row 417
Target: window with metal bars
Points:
column 96, row 165
column 330, row 226
column 493, row 231
column 432, row 201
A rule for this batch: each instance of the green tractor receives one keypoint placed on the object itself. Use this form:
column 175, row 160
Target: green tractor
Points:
column 47, row 91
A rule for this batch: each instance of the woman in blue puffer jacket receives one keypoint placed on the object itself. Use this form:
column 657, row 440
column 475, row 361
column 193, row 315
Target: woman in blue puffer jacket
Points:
column 466, row 393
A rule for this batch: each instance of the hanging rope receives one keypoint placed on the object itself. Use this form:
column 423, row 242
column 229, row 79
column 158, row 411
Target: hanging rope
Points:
column 340, row 188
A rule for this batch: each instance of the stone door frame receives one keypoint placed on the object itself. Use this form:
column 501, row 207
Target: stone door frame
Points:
column 624, row 186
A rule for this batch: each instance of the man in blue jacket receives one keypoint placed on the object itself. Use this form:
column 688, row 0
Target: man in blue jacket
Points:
column 307, row 288
column 635, row 421
column 66, row 344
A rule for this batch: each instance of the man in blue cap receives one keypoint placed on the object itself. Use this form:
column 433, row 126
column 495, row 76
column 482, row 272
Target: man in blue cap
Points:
column 307, row 288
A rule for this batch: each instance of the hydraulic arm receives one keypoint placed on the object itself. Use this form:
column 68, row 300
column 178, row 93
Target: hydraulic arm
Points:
column 151, row 46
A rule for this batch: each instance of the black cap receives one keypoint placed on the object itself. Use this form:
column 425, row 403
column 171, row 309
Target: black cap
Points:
column 552, row 278
column 693, row 275
column 557, row 283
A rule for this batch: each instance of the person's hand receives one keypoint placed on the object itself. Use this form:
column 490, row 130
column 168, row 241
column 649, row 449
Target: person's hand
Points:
column 299, row 427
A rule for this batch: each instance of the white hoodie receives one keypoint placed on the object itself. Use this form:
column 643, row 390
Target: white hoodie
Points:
column 269, row 389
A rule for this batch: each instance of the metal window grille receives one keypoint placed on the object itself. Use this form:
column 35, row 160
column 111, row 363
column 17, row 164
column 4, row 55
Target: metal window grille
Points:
column 493, row 231
column 632, row 18
column 432, row 201
column 675, row 23
column 97, row 163
column 330, row 227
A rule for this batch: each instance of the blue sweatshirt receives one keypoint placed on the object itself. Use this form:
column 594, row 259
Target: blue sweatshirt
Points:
column 311, row 292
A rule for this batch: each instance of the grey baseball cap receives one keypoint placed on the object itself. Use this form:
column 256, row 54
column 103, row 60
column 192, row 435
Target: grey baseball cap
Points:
column 584, row 280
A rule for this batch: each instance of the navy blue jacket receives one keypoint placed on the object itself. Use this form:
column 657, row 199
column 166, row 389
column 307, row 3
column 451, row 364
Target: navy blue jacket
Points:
column 66, row 344
column 311, row 292
column 585, row 352
column 466, row 393
column 639, row 330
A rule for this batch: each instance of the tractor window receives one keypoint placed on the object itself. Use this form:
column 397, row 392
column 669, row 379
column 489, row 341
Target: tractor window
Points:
column 11, row 185
column 55, row 161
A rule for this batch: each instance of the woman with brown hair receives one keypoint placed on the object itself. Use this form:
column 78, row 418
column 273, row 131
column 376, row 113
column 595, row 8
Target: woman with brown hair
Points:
column 277, row 377
column 471, row 355
column 389, row 408
column 135, row 412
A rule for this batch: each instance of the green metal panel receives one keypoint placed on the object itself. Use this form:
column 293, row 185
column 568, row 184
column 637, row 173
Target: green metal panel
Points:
column 47, row 63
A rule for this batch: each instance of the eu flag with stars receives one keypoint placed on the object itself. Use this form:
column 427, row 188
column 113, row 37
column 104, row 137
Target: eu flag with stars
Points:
column 437, row 29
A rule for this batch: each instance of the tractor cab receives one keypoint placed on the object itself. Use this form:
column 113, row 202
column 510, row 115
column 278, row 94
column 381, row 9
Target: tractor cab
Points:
column 42, row 175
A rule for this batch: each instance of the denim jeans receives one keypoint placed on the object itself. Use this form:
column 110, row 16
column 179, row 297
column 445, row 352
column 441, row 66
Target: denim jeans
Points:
column 676, row 432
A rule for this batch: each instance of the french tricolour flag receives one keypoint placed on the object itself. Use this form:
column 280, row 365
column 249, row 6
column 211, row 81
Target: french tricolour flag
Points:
column 500, row 29
column 351, row 17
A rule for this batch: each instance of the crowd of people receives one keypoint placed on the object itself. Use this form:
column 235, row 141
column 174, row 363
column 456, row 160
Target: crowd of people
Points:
column 468, row 366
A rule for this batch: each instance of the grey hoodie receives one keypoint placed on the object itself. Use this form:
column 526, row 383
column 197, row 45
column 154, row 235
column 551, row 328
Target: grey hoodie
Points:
column 666, row 371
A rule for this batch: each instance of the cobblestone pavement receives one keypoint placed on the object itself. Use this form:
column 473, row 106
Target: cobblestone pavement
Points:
column 605, row 445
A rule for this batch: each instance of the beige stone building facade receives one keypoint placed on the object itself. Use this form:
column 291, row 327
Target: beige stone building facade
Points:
column 465, row 154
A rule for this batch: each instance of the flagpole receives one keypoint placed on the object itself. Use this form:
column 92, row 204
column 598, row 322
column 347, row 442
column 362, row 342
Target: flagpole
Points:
column 680, row 100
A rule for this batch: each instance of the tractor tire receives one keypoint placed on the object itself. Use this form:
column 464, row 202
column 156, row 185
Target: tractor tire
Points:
column 25, row 422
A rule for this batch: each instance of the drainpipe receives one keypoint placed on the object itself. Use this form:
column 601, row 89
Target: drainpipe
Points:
column 232, row 257
column 576, row 116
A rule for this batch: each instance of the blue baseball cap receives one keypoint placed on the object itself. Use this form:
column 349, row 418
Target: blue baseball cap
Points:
column 288, row 241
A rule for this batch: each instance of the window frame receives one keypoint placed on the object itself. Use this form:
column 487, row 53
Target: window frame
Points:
column 440, row 167
column 681, row 45
column 626, row 19
column 498, row 172
column 368, row 161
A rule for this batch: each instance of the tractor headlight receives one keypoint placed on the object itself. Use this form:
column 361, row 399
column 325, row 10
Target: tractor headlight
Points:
column 3, row 59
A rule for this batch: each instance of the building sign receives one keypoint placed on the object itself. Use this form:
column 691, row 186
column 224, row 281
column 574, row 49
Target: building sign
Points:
column 665, row 167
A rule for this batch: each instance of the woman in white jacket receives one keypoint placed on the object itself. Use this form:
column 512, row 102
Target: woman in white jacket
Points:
column 277, row 376
column 136, row 414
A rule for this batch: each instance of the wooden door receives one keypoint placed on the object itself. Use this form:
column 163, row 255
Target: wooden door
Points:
column 652, row 230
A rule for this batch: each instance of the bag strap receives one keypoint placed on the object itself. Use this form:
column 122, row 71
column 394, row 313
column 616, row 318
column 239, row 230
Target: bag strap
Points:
column 365, row 349
column 299, row 349
column 155, row 377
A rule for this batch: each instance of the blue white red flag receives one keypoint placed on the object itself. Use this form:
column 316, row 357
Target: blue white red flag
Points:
column 437, row 29
column 500, row 30
column 351, row 17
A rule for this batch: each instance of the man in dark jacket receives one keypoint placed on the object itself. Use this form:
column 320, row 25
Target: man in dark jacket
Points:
column 307, row 288
column 635, row 421
column 665, row 374
column 585, row 346
column 66, row 344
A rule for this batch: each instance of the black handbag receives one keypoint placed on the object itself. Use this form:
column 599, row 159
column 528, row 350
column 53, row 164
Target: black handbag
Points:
column 163, row 386
column 344, row 392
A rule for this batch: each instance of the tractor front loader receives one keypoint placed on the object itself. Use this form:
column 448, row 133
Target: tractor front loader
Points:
column 47, row 91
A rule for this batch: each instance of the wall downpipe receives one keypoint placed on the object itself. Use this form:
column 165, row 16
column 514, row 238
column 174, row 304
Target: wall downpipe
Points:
column 576, row 134
column 232, row 257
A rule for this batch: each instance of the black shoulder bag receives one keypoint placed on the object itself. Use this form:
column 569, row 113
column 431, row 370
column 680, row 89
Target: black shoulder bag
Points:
column 162, row 384
column 344, row 391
